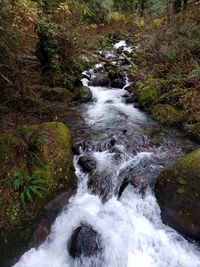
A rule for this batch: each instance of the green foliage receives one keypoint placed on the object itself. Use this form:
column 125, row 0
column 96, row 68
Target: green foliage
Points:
column 166, row 114
column 29, row 185
column 99, row 10
column 169, row 53
column 148, row 93
column 195, row 74
column 60, row 47
column 9, row 34
column 33, row 136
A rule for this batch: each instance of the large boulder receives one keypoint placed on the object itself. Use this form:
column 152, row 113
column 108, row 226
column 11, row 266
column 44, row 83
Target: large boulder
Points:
column 83, row 94
column 101, row 79
column 85, row 241
column 178, row 193
column 37, row 161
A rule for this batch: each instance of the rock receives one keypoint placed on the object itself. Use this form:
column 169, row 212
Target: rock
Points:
column 77, row 147
column 130, row 98
column 85, row 241
column 178, row 193
column 100, row 79
column 87, row 162
column 123, row 186
column 130, row 88
column 112, row 74
column 193, row 130
column 52, row 210
column 166, row 114
column 135, row 181
column 100, row 184
column 112, row 141
column 83, row 94
column 118, row 83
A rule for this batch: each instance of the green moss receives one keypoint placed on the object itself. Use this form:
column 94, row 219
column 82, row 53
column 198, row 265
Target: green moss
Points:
column 178, row 189
column 139, row 85
column 165, row 113
column 181, row 190
column 181, row 181
column 52, row 163
column 148, row 94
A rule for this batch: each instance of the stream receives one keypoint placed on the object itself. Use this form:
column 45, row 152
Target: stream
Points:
column 123, row 141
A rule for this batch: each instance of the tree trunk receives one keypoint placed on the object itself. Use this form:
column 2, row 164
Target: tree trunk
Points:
column 177, row 6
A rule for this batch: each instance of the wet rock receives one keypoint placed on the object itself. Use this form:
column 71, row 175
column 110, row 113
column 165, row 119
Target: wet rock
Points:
column 123, row 186
column 83, row 94
column 113, row 141
column 52, row 209
column 87, row 162
column 112, row 74
column 100, row 79
column 77, row 147
column 157, row 138
column 135, row 181
column 178, row 193
column 100, row 184
column 118, row 83
column 129, row 98
column 130, row 88
column 85, row 241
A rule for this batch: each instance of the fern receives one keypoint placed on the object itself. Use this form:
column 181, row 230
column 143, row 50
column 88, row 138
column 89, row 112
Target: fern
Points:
column 29, row 186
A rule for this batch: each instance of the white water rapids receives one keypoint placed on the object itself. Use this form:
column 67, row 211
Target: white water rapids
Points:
column 132, row 233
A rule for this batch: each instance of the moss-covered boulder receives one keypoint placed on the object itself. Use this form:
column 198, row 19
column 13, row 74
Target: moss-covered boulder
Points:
column 35, row 163
column 166, row 114
column 178, row 193
column 83, row 94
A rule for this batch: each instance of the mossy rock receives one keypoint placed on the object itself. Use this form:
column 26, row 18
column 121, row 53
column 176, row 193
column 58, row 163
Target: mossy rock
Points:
column 193, row 130
column 53, row 164
column 178, row 193
column 166, row 114
column 83, row 94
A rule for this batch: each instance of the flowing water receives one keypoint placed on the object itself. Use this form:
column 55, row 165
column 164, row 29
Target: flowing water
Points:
column 131, row 230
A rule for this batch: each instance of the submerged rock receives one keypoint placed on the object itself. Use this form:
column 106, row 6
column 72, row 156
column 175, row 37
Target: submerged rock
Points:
column 85, row 241
column 87, row 162
column 178, row 193
column 100, row 79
